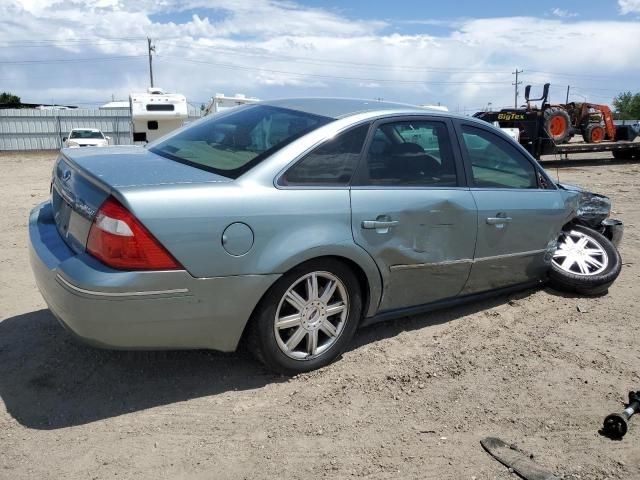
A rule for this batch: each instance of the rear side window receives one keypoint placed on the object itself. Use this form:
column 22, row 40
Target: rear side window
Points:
column 232, row 143
column 495, row 163
column 333, row 163
column 410, row 153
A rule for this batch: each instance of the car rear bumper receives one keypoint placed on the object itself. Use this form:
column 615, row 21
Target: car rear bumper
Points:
column 138, row 310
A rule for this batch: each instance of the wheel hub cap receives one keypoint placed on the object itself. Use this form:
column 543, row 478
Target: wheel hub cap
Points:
column 313, row 315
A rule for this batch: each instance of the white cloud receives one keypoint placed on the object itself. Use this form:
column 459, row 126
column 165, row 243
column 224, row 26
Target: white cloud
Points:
column 629, row 6
column 563, row 13
column 279, row 48
column 431, row 22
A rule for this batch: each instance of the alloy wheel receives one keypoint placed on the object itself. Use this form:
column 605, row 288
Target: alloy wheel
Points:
column 580, row 254
column 311, row 315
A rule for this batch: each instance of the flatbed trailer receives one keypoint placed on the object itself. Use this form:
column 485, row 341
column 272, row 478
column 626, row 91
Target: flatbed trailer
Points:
column 538, row 142
column 620, row 149
column 548, row 129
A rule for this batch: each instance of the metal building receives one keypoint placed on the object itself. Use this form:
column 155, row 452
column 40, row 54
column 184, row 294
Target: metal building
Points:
column 32, row 129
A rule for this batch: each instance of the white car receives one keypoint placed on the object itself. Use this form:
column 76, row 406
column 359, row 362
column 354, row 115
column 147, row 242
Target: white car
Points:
column 86, row 137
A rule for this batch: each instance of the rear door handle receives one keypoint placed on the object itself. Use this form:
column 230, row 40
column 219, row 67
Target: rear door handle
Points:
column 376, row 224
column 498, row 220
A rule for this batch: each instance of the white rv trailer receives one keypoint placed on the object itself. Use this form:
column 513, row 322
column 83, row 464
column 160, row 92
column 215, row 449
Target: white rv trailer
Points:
column 156, row 113
column 220, row 102
column 440, row 108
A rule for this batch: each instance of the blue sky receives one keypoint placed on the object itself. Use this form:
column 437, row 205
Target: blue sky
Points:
column 460, row 54
column 415, row 9
column 415, row 16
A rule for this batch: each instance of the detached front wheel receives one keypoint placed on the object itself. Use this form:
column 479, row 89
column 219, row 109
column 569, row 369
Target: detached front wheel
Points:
column 307, row 318
column 585, row 262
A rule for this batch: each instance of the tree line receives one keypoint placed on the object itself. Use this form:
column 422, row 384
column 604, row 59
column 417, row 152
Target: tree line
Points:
column 7, row 98
column 627, row 106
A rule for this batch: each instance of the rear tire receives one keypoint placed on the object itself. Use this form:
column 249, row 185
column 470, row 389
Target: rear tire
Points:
column 593, row 134
column 585, row 262
column 557, row 124
column 307, row 318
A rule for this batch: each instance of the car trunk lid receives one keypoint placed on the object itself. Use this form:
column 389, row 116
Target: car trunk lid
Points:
column 84, row 178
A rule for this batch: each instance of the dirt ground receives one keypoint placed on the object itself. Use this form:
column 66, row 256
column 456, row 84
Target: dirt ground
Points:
column 411, row 398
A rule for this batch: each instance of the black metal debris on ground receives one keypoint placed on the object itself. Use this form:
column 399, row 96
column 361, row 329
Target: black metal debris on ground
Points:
column 616, row 424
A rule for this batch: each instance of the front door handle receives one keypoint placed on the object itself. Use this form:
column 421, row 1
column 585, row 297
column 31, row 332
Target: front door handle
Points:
column 376, row 224
column 498, row 220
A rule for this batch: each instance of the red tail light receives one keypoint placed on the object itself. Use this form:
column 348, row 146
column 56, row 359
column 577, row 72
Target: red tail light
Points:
column 120, row 241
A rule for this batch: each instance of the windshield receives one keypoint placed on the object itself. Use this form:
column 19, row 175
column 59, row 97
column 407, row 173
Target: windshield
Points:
column 232, row 143
column 85, row 134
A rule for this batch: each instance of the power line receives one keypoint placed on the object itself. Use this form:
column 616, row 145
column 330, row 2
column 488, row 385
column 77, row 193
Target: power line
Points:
column 610, row 90
column 574, row 75
column 68, row 60
column 320, row 61
column 581, row 88
column 333, row 77
column 281, row 57
column 587, row 94
column 584, row 92
column 65, row 42
column 278, row 57
column 71, row 45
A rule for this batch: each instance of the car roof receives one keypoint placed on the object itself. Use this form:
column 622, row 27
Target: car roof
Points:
column 86, row 129
column 342, row 107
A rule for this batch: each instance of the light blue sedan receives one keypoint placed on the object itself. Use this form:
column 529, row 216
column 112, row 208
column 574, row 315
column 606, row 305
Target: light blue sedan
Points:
column 288, row 224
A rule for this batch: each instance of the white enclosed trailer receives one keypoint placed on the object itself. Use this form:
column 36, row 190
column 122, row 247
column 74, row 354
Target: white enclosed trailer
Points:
column 155, row 113
column 220, row 102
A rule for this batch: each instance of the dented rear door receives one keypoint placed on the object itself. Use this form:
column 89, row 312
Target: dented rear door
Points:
column 420, row 231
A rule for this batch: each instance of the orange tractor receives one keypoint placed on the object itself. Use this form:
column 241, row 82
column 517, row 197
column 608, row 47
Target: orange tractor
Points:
column 546, row 128
column 595, row 122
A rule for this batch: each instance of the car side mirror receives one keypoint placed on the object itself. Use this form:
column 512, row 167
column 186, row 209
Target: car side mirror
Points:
column 64, row 139
column 108, row 138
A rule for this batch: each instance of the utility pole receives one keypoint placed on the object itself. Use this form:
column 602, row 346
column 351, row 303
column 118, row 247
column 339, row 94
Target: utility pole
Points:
column 568, row 87
column 516, row 83
column 151, row 48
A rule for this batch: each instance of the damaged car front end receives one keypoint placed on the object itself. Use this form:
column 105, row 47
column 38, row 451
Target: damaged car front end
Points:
column 593, row 211
column 586, row 260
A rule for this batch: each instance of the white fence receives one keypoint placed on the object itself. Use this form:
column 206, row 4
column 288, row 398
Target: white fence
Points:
column 30, row 129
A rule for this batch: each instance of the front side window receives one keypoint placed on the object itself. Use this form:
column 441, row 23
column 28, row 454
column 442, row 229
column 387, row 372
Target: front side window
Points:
column 332, row 163
column 411, row 153
column 230, row 144
column 495, row 163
